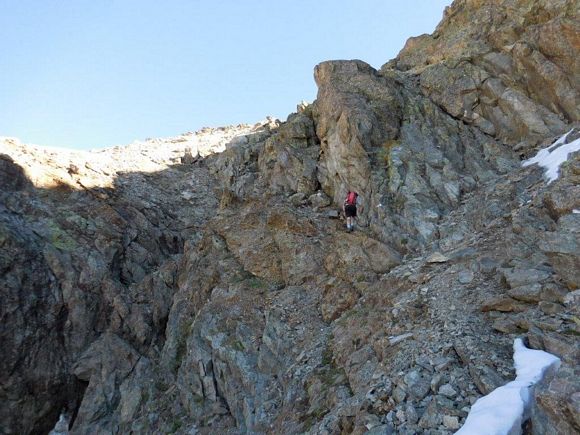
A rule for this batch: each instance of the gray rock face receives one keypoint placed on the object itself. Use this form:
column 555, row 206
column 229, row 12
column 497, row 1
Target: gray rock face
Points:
column 408, row 176
column 511, row 74
column 152, row 289
column 562, row 247
column 555, row 409
column 289, row 158
column 86, row 274
column 31, row 385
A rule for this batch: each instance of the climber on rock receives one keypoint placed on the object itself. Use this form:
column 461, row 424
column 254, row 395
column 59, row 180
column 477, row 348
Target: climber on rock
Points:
column 349, row 207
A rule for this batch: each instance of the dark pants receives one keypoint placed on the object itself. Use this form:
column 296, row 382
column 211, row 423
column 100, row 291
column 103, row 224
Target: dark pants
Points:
column 350, row 210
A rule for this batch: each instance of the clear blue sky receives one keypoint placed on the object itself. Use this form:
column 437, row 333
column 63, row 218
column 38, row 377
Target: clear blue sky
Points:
column 96, row 73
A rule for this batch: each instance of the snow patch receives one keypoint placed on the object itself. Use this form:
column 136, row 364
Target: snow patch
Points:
column 503, row 411
column 552, row 157
column 61, row 427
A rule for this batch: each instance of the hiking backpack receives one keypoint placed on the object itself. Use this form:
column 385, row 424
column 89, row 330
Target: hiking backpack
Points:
column 351, row 198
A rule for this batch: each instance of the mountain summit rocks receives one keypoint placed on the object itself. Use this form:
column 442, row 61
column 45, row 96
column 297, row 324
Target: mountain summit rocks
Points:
column 506, row 67
column 203, row 283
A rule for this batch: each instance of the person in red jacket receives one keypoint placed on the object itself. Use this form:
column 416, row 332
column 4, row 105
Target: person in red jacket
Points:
column 349, row 209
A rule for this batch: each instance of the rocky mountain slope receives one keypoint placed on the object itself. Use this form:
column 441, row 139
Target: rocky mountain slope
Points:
column 204, row 283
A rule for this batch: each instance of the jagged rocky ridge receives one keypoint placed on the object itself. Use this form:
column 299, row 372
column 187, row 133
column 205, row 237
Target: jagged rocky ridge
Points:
column 202, row 284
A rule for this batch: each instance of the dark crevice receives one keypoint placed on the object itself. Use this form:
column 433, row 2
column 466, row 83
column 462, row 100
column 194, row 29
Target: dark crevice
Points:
column 76, row 393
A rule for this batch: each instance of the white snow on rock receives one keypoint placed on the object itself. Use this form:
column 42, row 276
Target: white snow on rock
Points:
column 503, row 411
column 61, row 427
column 552, row 157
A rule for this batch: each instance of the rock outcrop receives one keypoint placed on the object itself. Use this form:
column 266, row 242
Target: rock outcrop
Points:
column 410, row 161
column 510, row 67
column 203, row 283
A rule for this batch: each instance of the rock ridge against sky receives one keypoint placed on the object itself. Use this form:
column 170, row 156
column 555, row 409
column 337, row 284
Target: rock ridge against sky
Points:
column 89, row 75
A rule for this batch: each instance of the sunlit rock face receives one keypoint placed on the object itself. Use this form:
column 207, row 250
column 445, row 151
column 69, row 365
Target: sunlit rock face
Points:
column 509, row 67
column 205, row 283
